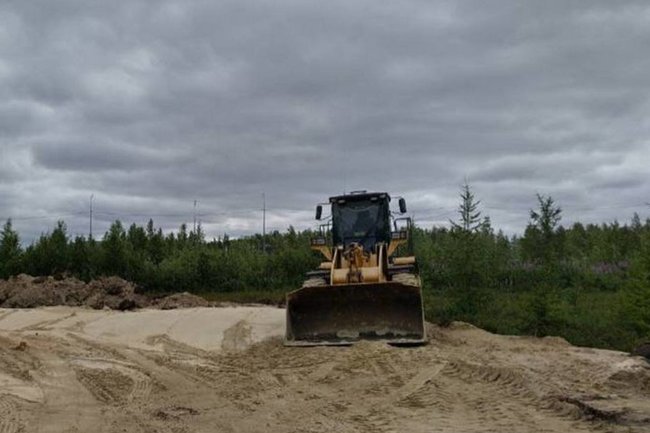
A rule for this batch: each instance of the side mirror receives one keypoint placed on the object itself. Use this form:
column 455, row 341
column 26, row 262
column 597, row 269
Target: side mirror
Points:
column 319, row 211
column 402, row 205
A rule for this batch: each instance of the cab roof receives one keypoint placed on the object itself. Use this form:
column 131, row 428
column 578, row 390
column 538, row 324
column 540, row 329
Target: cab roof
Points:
column 360, row 196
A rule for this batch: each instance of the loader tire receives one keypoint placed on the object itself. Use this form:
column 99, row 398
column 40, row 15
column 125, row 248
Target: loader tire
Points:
column 406, row 279
column 314, row 282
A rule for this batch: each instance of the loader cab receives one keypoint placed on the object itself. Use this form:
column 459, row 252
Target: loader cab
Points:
column 361, row 217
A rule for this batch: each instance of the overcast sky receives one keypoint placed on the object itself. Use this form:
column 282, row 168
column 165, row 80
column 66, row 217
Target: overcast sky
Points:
column 152, row 105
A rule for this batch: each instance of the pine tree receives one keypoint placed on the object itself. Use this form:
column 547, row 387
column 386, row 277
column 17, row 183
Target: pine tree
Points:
column 114, row 250
column 151, row 231
column 543, row 227
column 137, row 238
column 197, row 237
column 548, row 216
column 470, row 216
column 182, row 235
column 636, row 222
column 58, row 248
column 80, row 260
column 10, row 250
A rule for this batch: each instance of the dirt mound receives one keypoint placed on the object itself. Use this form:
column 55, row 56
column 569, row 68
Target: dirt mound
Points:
column 181, row 300
column 114, row 293
column 642, row 350
column 24, row 291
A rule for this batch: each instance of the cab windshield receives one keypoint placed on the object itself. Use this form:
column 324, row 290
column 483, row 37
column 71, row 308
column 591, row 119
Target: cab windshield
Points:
column 364, row 222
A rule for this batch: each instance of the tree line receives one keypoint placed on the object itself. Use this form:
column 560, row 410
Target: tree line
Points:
column 181, row 260
column 588, row 283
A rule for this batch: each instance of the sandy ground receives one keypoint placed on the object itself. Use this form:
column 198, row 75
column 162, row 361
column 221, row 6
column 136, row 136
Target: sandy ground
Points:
column 68, row 369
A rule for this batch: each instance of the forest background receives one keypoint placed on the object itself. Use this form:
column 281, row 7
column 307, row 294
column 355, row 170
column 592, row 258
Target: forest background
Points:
column 587, row 283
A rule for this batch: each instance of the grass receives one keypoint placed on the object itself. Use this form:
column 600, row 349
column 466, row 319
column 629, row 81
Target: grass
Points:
column 584, row 318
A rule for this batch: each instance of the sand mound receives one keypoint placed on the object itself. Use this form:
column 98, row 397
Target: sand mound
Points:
column 225, row 369
column 181, row 300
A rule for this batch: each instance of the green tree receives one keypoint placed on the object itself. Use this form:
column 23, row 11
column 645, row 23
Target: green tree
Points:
column 542, row 228
column 197, row 236
column 182, row 237
column 635, row 311
column 137, row 237
column 548, row 216
column 50, row 254
column 80, row 258
column 155, row 244
column 467, row 256
column 114, row 248
column 470, row 216
column 58, row 248
column 10, row 251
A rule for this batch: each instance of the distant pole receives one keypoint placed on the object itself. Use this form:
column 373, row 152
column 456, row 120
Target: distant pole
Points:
column 194, row 229
column 90, row 232
column 345, row 169
column 263, row 222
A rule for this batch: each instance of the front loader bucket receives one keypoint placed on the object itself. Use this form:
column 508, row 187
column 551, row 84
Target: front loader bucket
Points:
column 343, row 314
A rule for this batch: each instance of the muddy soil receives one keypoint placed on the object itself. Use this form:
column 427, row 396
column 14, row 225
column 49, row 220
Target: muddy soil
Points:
column 25, row 291
column 225, row 370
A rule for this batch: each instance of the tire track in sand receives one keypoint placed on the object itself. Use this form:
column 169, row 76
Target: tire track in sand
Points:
column 68, row 406
column 10, row 419
column 465, row 380
column 113, row 382
column 480, row 395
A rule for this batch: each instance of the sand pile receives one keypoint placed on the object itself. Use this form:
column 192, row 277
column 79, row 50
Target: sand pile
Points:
column 181, row 300
column 225, row 369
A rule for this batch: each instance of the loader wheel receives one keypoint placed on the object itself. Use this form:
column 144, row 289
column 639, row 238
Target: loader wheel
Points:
column 407, row 279
column 314, row 282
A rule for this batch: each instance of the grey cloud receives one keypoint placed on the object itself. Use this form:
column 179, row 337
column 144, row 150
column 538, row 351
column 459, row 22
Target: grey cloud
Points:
column 89, row 155
column 151, row 107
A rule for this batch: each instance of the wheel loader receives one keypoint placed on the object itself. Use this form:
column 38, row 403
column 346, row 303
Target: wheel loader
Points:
column 361, row 291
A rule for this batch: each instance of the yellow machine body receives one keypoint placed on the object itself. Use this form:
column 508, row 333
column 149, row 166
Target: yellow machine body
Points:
column 358, row 294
